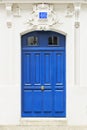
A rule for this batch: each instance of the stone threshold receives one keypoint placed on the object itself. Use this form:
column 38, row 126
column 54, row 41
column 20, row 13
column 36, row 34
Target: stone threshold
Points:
column 43, row 121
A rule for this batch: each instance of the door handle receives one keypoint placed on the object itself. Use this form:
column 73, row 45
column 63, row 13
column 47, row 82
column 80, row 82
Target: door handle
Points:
column 42, row 88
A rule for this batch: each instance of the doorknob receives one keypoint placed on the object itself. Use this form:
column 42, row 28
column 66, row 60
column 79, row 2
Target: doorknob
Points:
column 42, row 88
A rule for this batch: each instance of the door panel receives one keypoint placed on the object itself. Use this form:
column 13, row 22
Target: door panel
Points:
column 28, row 99
column 59, row 101
column 47, row 101
column 36, row 68
column 47, row 69
column 59, row 70
column 27, row 68
column 37, row 101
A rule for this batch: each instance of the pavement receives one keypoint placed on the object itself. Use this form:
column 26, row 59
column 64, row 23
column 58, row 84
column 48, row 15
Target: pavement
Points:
column 43, row 127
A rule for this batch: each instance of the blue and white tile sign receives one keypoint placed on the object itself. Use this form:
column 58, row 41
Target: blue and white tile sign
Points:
column 43, row 15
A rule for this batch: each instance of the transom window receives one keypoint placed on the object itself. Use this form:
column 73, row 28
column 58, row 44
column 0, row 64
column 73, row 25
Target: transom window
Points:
column 48, row 41
column 32, row 41
column 53, row 40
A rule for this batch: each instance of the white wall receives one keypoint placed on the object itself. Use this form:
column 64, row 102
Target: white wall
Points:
column 10, row 64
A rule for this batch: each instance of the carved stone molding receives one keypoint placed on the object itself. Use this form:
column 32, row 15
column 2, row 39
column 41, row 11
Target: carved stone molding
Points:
column 74, row 10
column 77, row 7
column 9, row 8
column 43, row 24
column 9, row 13
column 9, row 24
column 69, row 10
column 77, row 24
column 16, row 10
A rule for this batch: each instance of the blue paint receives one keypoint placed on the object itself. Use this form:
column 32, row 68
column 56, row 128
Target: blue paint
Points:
column 43, row 15
column 43, row 65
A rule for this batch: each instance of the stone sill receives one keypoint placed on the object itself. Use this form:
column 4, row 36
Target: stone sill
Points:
column 43, row 121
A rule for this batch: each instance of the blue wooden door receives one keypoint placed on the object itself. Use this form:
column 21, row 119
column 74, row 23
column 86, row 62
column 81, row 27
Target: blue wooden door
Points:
column 43, row 74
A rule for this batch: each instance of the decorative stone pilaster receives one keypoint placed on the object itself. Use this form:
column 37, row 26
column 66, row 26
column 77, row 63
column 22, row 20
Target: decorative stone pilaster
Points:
column 77, row 7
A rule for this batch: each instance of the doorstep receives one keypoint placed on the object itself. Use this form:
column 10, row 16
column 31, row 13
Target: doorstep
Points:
column 43, row 121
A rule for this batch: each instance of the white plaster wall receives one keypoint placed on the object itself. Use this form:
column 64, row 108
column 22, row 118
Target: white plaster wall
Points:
column 10, row 65
column 77, row 94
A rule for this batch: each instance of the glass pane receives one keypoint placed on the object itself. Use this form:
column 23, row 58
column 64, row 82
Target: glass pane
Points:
column 53, row 40
column 32, row 41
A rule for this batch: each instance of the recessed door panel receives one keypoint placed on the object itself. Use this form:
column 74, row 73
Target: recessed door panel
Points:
column 37, row 101
column 47, row 57
column 59, row 101
column 47, row 101
column 26, row 68
column 47, row 68
column 27, row 101
column 36, row 70
column 59, row 68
